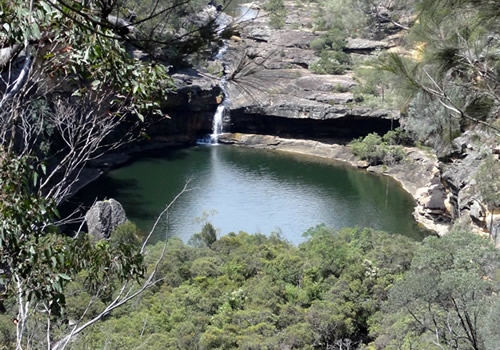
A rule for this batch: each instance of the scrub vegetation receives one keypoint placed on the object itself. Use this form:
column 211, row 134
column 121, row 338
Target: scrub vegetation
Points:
column 351, row 288
column 380, row 150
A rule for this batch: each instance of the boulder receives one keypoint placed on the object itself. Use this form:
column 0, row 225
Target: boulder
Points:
column 362, row 164
column 104, row 217
column 476, row 212
column 365, row 45
column 436, row 199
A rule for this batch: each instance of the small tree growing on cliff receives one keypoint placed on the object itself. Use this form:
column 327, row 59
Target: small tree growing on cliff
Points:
column 488, row 186
column 277, row 13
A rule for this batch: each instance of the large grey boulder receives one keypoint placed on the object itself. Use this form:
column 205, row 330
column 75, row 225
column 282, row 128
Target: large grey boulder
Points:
column 104, row 217
column 476, row 213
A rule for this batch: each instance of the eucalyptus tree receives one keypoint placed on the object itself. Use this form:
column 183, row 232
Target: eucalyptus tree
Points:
column 445, row 298
column 71, row 87
column 37, row 264
column 70, row 90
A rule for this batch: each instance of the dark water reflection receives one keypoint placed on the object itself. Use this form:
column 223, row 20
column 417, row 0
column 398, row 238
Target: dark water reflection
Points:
column 254, row 191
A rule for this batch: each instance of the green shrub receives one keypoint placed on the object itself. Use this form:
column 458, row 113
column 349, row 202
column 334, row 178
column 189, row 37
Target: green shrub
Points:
column 375, row 88
column 7, row 332
column 373, row 149
column 397, row 137
column 277, row 13
column 206, row 237
column 367, row 148
column 318, row 45
column 126, row 234
column 331, row 62
column 344, row 15
column 334, row 39
column 329, row 46
column 393, row 154
column 276, row 21
column 340, row 88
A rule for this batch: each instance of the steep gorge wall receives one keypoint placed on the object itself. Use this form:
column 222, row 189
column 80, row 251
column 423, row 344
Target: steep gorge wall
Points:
column 271, row 88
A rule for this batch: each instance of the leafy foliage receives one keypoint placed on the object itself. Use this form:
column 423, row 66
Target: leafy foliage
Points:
column 376, row 149
column 90, row 56
column 206, row 237
column 25, row 248
column 488, row 186
column 445, row 296
column 36, row 264
column 454, row 63
column 277, row 13
column 377, row 89
column 331, row 62
column 250, row 291
column 329, row 46
column 488, row 181
column 344, row 16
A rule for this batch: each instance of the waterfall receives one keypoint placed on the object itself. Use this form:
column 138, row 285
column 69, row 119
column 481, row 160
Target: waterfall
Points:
column 221, row 115
column 217, row 124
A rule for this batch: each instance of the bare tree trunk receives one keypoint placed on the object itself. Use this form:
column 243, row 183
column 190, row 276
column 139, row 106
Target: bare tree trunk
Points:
column 491, row 223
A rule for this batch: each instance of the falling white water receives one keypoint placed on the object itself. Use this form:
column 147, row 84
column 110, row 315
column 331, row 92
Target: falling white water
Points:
column 217, row 123
column 221, row 115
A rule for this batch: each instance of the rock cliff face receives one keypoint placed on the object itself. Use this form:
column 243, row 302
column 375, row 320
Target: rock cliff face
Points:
column 272, row 90
column 458, row 179
column 190, row 108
